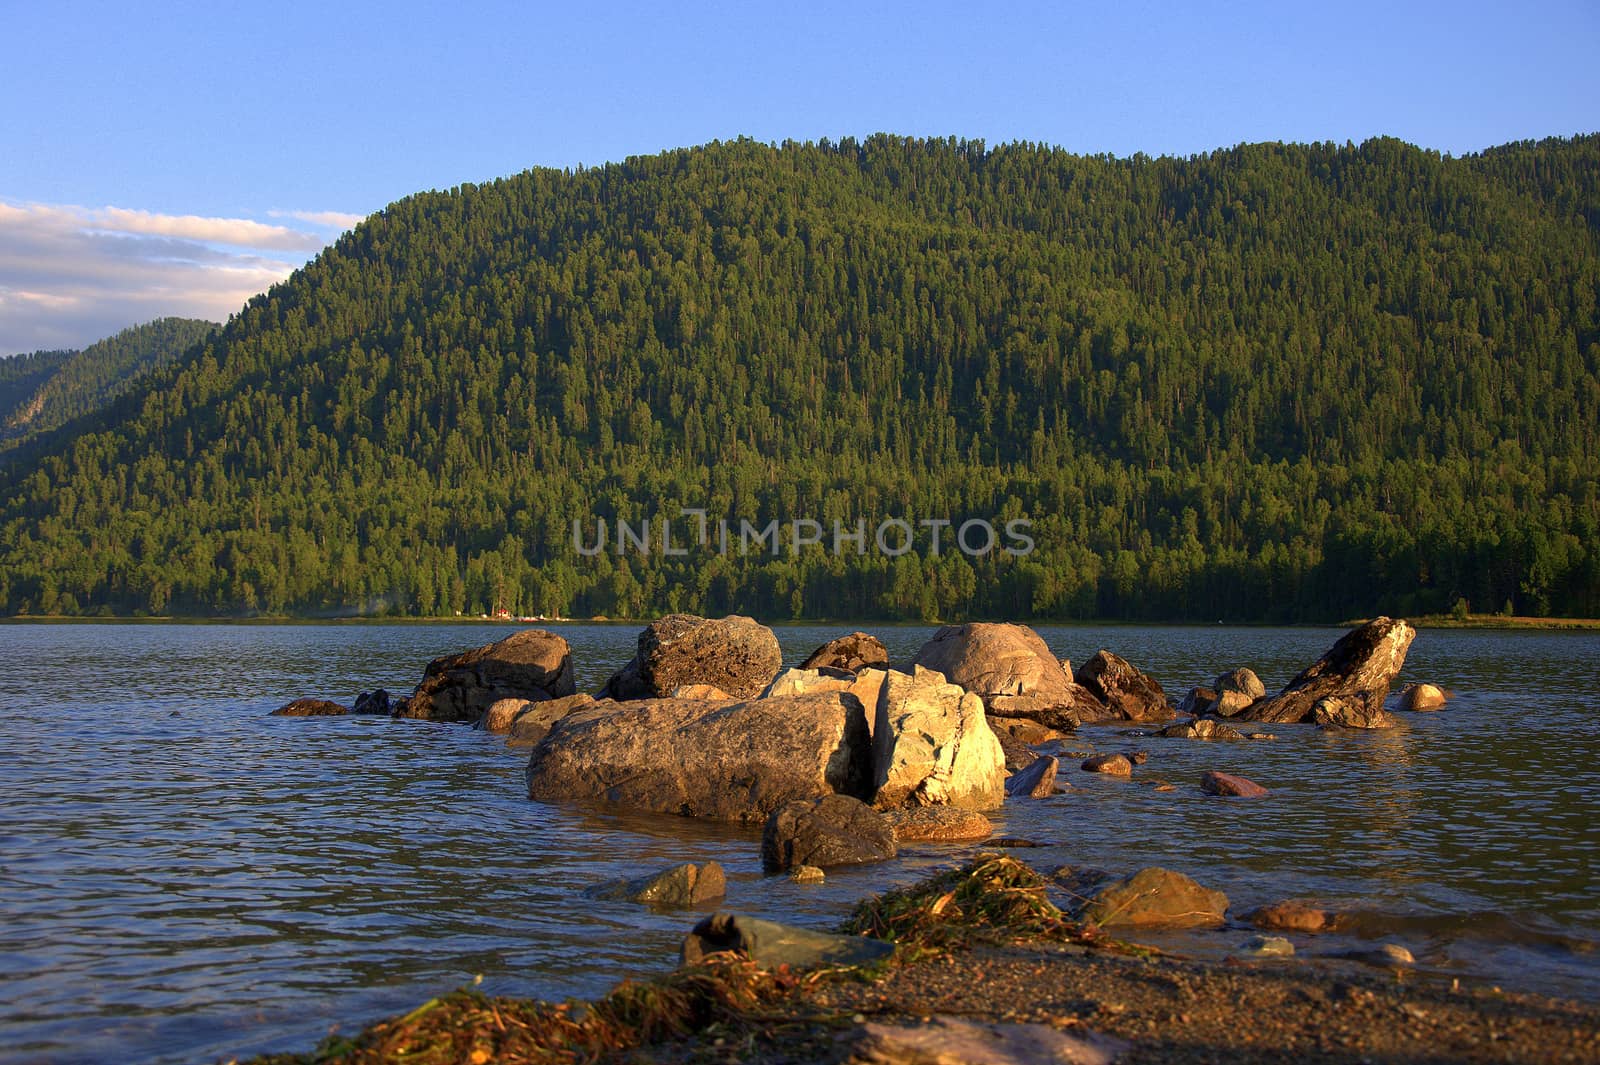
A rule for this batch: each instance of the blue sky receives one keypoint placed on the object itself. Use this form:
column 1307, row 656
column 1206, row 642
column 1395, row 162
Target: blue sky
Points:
column 173, row 158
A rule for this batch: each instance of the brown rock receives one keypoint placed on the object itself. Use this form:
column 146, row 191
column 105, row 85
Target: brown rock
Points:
column 1361, row 665
column 832, row 830
column 1038, row 781
column 682, row 885
column 866, row 686
column 531, row 664
column 938, row 824
column 375, row 702
column 501, row 713
column 1232, row 704
column 1215, row 783
column 852, row 653
column 1117, row 765
column 1072, row 706
column 1291, row 915
column 1156, row 897
column 1197, row 701
column 723, row 761
column 1421, row 697
column 1128, row 692
column 309, row 708
column 735, row 653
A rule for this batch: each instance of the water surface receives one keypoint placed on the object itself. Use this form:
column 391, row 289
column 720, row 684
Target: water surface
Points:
column 183, row 878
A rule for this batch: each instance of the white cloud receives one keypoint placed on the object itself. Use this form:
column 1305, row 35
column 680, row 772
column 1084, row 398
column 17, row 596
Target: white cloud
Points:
column 340, row 220
column 71, row 275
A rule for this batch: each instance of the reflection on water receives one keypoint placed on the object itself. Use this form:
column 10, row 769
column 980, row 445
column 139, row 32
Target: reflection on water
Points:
column 183, row 878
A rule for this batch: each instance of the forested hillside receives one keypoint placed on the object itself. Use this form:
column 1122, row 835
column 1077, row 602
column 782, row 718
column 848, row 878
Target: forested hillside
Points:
column 1272, row 382
column 75, row 383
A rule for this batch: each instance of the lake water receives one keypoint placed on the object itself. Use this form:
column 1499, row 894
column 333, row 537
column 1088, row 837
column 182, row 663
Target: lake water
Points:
column 183, row 878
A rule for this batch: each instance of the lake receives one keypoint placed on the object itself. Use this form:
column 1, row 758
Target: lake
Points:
column 183, row 878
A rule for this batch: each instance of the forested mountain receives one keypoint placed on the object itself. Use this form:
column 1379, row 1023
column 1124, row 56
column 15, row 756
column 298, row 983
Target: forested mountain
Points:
column 1272, row 382
column 64, row 385
column 21, row 376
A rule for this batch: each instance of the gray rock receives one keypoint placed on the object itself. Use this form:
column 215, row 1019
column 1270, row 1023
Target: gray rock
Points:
column 1232, row 704
column 833, row 830
column 1267, row 947
column 950, row 1040
column 735, row 653
column 531, row 664
column 1243, row 681
column 1128, row 692
column 1361, row 665
column 1012, row 670
column 1156, row 897
column 729, row 762
column 533, row 723
column 770, row 944
column 932, row 746
column 682, row 885
column 1197, row 701
column 1038, row 781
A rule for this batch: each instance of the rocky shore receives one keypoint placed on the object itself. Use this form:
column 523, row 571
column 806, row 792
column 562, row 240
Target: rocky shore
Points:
column 978, row 965
column 848, row 756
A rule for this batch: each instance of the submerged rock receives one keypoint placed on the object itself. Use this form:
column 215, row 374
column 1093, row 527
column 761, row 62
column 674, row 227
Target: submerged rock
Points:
column 833, row 830
column 1351, row 712
column 1422, row 697
column 682, row 885
column 1360, row 666
column 1203, row 729
column 1156, row 897
column 309, row 708
column 770, row 944
column 1116, row 765
column 938, row 824
column 851, row 653
column 932, row 746
column 531, row 664
column 1215, row 783
column 376, row 702
column 1292, row 915
column 1267, row 947
column 729, row 762
column 736, row 654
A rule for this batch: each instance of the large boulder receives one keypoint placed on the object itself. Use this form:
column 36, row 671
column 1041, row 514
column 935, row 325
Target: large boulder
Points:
column 852, row 653
column 1243, row 681
column 736, row 654
column 993, row 659
column 832, row 830
column 723, row 761
column 932, row 746
column 1127, row 691
column 532, row 664
column 1156, row 898
column 1360, row 666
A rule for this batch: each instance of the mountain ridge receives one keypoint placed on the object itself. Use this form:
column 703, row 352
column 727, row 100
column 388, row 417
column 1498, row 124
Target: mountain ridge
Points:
column 1264, row 383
